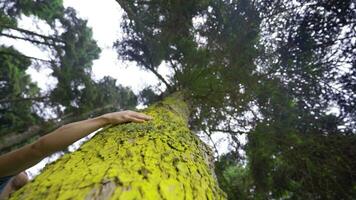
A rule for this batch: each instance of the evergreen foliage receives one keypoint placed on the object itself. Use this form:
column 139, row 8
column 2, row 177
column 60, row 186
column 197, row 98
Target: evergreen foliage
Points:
column 271, row 70
column 15, row 87
column 72, row 50
column 280, row 72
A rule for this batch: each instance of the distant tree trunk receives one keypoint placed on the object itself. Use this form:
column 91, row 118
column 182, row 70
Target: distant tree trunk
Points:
column 160, row 159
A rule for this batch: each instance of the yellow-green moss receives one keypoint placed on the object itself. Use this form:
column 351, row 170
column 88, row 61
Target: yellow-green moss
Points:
column 160, row 159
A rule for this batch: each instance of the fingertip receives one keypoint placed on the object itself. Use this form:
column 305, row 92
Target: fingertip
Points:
column 148, row 116
column 139, row 120
column 145, row 117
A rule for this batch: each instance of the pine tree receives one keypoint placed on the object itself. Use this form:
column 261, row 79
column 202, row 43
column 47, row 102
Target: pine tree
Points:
column 72, row 49
column 160, row 159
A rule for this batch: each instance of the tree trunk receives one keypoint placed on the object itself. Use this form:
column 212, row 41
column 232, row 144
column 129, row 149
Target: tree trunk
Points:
column 160, row 159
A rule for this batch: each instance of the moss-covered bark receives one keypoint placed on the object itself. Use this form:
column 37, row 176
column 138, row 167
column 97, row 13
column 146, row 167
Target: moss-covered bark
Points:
column 160, row 159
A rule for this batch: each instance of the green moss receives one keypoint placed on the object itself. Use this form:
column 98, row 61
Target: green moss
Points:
column 160, row 159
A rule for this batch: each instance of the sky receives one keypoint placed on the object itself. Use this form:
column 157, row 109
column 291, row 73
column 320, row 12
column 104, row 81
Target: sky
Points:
column 104, row 17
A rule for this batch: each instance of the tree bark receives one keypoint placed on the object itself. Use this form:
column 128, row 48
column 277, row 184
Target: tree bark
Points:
column 160, row 159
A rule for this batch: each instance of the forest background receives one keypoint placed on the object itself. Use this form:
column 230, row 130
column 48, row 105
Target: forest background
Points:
column 277, row 78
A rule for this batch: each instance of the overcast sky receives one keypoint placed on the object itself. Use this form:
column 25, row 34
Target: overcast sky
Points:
column 104, row 17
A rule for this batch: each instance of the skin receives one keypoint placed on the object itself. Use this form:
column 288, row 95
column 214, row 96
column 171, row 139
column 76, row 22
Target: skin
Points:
column 17, row 161
column 14, row 184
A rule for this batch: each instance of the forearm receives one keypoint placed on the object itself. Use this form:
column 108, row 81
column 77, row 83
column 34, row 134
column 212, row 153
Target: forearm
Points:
column 18, row 160
column 68, row 134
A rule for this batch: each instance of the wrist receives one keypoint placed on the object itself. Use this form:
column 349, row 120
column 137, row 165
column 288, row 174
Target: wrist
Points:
column 104, row 120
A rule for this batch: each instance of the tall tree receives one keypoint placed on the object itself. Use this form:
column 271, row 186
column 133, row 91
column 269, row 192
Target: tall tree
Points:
column 308, row 47
column 160, row 159
column 75, row 87
column 72, row 50
column 312, row 52
column 268, row 69
column 277, row 90
column 218, row 74
column 16, row 93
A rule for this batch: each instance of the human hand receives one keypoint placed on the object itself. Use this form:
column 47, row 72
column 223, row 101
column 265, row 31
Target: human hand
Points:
column 125, row 116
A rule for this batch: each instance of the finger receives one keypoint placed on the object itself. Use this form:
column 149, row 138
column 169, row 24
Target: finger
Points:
column 136, row 120
column 142, row 116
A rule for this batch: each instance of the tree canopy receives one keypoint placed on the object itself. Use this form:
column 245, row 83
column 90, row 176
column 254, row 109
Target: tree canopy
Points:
column 281, row 73
column 71, row 49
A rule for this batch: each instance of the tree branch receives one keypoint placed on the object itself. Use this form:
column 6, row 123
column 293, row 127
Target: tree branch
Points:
column 159, row 76
column 150, row 67
column 212, row 141
column 32, row 33
column 5, row 100
column 227, row 131
column 29, row 57
column 26, row 39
